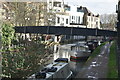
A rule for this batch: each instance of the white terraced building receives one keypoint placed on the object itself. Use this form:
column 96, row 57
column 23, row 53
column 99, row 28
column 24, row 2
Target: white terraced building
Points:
column 57, row 7
column 66, row 15
column 72, row 16
column 75, row 16
column 90, row 20
column 93, row 21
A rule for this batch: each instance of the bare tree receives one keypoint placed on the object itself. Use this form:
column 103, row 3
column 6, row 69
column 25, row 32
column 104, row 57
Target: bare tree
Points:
column 28, row 14
column 108, row 21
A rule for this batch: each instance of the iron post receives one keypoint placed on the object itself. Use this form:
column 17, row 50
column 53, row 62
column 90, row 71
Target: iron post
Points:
column 118, row 38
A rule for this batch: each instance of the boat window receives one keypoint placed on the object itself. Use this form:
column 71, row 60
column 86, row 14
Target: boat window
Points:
column 57, row 64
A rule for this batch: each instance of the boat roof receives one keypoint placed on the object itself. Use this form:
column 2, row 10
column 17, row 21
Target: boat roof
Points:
column 58, row 65
column 73, row 45
column 66, row 46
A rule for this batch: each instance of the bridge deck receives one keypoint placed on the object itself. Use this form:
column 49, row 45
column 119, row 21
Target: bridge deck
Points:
column 61, row 30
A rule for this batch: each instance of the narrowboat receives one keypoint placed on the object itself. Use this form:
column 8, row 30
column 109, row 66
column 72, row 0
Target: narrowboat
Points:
column 59, row 69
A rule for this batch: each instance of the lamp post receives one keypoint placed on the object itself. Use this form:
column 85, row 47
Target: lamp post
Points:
column 118, row 38
column 26, row 19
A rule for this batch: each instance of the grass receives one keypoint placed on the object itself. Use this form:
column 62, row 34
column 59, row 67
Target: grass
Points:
column 112, row 65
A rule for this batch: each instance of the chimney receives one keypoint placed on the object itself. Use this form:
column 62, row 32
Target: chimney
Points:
column 81, row 7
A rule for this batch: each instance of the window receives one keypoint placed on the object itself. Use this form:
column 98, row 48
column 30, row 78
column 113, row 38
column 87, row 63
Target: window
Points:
column 78, row 10
column 57, row 4
column 58, row 20
column 58, row 10
column 66, row 21
column 79, row 19
column 91, row 18
column 67, row 8
column 96, row 23
column 50, row 5
column 72, row 17
column 76, row 19
column 62, row 19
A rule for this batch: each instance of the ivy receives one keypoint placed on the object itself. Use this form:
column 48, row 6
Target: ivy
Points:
column 7, row 35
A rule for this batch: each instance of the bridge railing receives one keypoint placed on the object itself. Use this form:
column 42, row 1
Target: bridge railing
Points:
column 61, row 30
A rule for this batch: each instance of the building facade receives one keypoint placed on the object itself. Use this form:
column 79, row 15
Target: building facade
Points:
column 57, row 7
column 75, row 16
column 93, row 21
column 90, row 20
column 66, row 15
column 72, row 16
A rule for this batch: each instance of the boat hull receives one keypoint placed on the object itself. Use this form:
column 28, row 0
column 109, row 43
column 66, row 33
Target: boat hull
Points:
column 79, row 55
column 75, row 59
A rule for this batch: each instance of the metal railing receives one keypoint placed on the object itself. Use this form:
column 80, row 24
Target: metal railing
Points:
column 61, row 30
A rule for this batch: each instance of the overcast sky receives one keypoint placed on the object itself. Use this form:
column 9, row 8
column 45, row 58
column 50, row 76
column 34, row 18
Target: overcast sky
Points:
column 96, row 6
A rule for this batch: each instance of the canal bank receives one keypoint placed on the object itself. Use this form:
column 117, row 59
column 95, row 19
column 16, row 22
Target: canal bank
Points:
column 96, row 67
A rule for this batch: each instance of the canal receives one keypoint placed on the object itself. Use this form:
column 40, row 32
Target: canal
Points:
column 61, row 51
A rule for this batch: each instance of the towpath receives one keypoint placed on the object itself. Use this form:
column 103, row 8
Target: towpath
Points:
column 97, row 67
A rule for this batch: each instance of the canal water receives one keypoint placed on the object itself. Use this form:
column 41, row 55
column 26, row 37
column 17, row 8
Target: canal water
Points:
column 65, row 53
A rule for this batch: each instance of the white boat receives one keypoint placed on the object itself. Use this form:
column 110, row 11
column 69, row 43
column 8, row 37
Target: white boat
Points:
column 58, row 69
column 79, row 51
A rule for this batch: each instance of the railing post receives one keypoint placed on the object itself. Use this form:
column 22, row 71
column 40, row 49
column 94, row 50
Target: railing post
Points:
column 25, row 32
column 71, row 33
column 96, row 32
column 48, row 29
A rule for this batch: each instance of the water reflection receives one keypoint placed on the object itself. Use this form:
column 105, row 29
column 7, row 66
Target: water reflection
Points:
column 76, row 66
column 60, row 52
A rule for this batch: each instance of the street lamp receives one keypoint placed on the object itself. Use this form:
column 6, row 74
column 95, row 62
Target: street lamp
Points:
column 118, row 40
column 26, row 19
column 9, row 18
column 49, row 20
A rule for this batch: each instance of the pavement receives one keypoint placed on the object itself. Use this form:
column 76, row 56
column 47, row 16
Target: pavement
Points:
column 97, row 67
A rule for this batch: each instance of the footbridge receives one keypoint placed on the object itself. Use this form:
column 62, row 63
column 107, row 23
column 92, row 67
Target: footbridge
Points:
column 62, row 30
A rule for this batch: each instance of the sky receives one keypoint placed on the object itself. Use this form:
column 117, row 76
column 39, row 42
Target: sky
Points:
column 96, row 6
